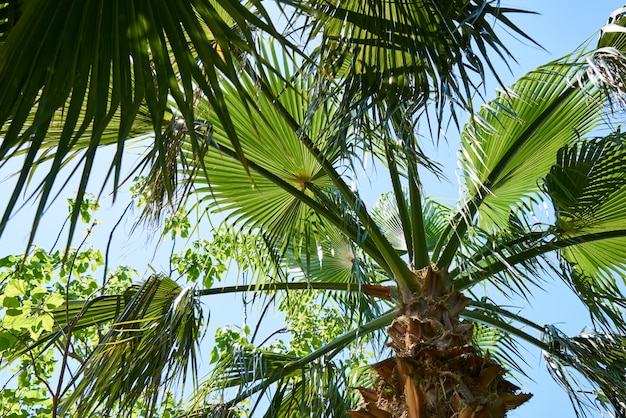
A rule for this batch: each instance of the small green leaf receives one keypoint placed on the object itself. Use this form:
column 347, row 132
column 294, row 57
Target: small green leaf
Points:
column 9, row 260
column 215, row 355
column 46, row 322
column 16, row 287
column 38, row 291
column 54, row 301
column 13, row 312
column 207, row 281
column 11, row 302
column 6, row 340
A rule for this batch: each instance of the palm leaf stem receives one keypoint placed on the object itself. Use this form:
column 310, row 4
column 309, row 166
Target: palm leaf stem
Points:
column 487, row 251
column 418, row 231
column 415, row 221
column 399, row 269
column 332, row 347
column 506, row 327
column 456, row 229
column 272, row 287
column 472, row 277
column 398, row 192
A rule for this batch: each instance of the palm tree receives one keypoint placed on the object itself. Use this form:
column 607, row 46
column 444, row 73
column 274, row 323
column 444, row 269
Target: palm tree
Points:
column 279, row 163
column 80, row 76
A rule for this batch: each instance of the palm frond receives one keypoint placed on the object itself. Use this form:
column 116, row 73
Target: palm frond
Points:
column 606, row 65
column 410, row 53
column 514, row 263
column 386, row 214
column 505, row 152
column 506, row 258
column 604, row 298
column 244, row 366
column 328, row 351
column 287, row 169
column 496, row 339
column 150, row 347
column 91, row 61
column 587, row 186
column 10, row 11
column 599, row 359
column 322, row 390
column 318, row 389
column 590, row 366
column 504, row 148
column 245, row 195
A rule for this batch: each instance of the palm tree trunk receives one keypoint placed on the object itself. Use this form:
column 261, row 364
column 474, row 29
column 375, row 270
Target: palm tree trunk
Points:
column 436, row 372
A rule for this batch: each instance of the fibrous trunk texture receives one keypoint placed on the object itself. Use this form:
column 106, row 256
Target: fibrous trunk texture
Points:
column 436, row 371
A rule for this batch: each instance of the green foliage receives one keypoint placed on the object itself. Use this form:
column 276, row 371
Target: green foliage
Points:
column 30, row 291
column 177, row 225
column 271, row 141
column 88, row 205
column 30, row 397
column 202, row 263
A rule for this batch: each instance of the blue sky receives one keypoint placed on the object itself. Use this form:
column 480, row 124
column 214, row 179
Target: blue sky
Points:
column 560, row 28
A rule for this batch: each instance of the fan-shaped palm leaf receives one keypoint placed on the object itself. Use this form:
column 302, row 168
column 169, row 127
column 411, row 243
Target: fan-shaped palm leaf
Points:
column 288, row 172
column 91, row 61
column 386, row 214
column 587, row 186
column 504, row 148
column 148, row 348
column 599, row 358
column 504, row 153
column 153, row 330
column 407, row 52
column 270, row 143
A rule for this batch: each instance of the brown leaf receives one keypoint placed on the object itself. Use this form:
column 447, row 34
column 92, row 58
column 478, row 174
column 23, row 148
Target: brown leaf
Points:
column 467, row 412
column 488, row 374
column 385, row 368
column 382, row 292
column 513, row 401
column 414, row 399
column 369, row 396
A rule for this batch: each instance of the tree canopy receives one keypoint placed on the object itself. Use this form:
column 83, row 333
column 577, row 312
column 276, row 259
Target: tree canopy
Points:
column 264, row 130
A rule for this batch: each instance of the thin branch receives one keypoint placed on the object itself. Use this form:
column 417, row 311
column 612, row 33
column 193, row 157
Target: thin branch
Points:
column 106, row 254
column 38, row 376
column 261, row 316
